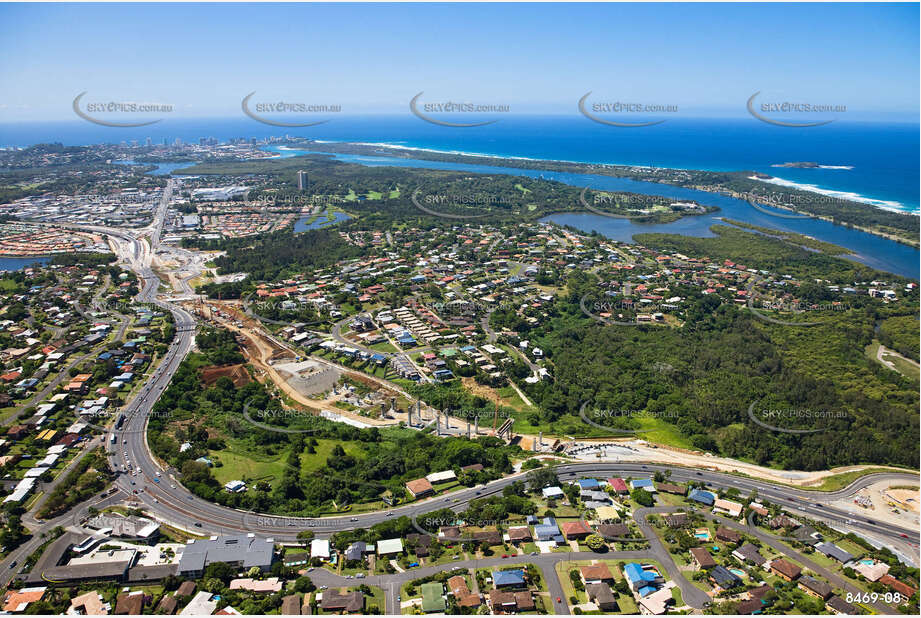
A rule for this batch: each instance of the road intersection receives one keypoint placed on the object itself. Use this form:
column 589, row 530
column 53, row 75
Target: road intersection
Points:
column 162, row 496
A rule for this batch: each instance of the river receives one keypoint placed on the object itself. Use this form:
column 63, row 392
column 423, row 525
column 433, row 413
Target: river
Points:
column 869, row 249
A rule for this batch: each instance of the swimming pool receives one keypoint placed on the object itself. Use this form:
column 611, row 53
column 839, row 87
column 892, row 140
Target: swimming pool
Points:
column 738, row 572
column 868, row 561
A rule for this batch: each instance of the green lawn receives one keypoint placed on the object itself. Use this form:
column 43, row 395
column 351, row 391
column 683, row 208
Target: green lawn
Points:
column 904, row 367
column 315, row 461
column 237, row 466
column 676, row 594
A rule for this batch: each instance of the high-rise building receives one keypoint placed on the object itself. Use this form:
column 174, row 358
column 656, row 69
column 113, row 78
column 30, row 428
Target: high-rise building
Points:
column 302, row 180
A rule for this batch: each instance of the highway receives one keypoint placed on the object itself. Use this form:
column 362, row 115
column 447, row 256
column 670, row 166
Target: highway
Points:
column 164, row 498
column 171, row 503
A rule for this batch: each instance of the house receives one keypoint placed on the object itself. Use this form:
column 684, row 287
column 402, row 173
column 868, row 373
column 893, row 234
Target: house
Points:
column 601, row 595
column 266, row 586
column 670, row 488
column 814, row 587
column 548, row 530
column 16, row 601
column 445, row 476
column 749, row 553
column 588, row 484
column 643, row 484
column 604, row 513
column 130, row 603
column 389, row 546
column 291, row 605
column 433, row 600
column 639, row 578
column 513, row 578
column 782, row 521
column 596, row 574
column 807, row 535
column 724, row 578
column 349, row 602
column 420, row 488
column 614, row 531
column 319, row 548
column 235, row 486
column 524, row 601
column 356, row 550
column 727, row 535
column 462, row 595
column 702, row 558
column 733, row 509
column 656, row 602
column 701, row 496
column 618, row 485
column 677, row 520
column 901, row 587
column 552, row 493
column 487, row 538
column 749, row 607
column 90, row 604
column 872, row 572
column 450, row 533
column 576, row 529
column 834, row 552
column 785, row 570
column 837, row 605
column 502, row 601
column 519, row 534
column 186, row 589
column 200, row 605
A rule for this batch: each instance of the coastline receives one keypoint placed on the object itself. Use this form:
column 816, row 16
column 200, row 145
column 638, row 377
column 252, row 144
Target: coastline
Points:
column 888, row 205
column 626, row 171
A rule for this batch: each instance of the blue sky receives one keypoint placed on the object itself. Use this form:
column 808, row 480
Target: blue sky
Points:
column 535, row 57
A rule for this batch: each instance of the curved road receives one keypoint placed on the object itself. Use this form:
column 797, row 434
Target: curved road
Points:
column 168, row 501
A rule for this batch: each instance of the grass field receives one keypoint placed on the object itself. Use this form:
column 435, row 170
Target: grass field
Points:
column 239, row 466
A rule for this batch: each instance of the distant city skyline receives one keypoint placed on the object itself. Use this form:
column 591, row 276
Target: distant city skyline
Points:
column 707, row 59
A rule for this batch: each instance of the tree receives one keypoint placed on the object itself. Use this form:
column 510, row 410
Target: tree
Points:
column 219, row 570
column 305, row 536
column 595, row 542
column 542, row 477
column 642, row 497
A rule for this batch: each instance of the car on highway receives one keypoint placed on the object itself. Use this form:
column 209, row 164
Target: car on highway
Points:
column 12, row 564
column 198, row 524
column 904, row 536
column 353, row 519
column 559, row 600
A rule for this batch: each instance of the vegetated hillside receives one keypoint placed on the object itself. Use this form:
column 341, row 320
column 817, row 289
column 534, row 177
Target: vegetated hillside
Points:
column 900, row 334
column 288, row 472
column 703, row 376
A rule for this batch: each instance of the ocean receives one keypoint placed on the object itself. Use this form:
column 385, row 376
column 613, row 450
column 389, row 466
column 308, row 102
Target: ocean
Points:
column 873, row 162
